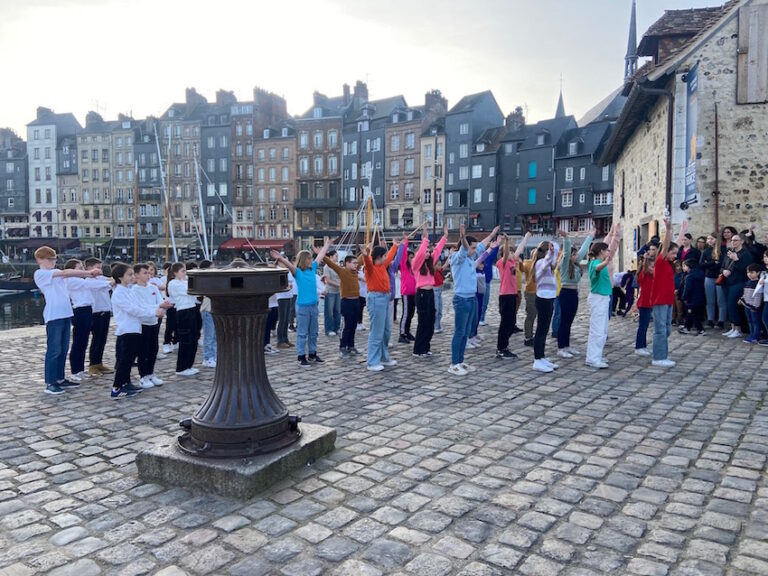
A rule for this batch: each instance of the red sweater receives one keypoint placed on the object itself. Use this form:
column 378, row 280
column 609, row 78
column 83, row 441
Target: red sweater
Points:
column 377, row 277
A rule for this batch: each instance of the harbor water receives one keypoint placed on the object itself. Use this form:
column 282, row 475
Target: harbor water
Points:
column 21, row 310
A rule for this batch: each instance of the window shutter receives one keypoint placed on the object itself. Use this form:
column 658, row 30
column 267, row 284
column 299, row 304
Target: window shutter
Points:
column 752, row 80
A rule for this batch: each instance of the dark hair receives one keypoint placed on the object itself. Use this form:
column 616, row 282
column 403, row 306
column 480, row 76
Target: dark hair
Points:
column 205, row 264
column 71, row 264
column 330, row 253
column 378, row 252
column 672, row 245
column 139, row 267
column 167, row 265
column 691, row 263
column 349, row 258
column 119, row 270
column 428, row 266
column 191, row 265
column 688, row 235
column 408, row 258
column 655, row 241
column 731, row 229
column 596, row 248
column 701, row 239
column 175, row 267
column 91, row 262
column 754, row 267
column 471, row 239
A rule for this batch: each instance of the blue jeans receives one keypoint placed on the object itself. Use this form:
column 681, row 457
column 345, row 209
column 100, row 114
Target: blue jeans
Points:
column 566, row 306
column 438, row 308
column 643, row 321
column 711, row 295
column 209, row 337
column 476, row 314
column 753, row 316
column 58, row 334
column 306, row 328
column 464, row 314
column 732, row 294
column 662, row 327
column 765, row 316
column 556, row 316
column 381, row 326
column 332, row 313
column 486, row 297
column 722, row 305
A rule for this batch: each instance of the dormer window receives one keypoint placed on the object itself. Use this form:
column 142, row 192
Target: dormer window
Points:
column 317, row 112
column 171, row 113
column 540, row 140
column 573, row 147
column 409, row 116
column 362, row 126
column 481, row 147
column 394, row 118
column 284, row 132
column 266, row 133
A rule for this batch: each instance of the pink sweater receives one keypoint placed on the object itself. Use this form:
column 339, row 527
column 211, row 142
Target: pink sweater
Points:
column 418, row 259
column 407, row 280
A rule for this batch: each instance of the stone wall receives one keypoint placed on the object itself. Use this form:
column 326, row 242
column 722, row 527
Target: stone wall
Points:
column 743, row 152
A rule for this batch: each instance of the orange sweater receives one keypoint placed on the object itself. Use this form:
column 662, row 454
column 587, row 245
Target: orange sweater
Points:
column 377, row 277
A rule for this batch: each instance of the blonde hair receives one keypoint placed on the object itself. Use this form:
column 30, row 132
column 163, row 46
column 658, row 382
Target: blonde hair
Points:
column 303, row 260
column 540, row 252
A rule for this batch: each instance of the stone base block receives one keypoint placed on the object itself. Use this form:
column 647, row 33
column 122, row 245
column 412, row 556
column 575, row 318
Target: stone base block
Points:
column 238, row 478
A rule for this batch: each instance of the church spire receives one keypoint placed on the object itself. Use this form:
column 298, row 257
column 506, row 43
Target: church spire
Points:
column 560, row 106
column 630, row 60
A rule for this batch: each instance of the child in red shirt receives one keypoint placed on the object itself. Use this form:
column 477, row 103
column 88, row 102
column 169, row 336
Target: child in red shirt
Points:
column 663, row 296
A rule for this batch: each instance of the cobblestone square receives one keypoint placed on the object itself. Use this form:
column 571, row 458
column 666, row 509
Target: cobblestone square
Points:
column 630, row 470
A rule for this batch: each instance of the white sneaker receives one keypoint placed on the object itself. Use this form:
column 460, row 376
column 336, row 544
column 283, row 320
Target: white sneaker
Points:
column 209, row 363
column 195, row 370
column 146, row 382
column 361, row 327
column 187, row 372
column 389, row 362
column 599, row 365
column 541, row 366
column 269, row 349
column 438, row 330
column 331, row 333
column 548, row 361
column 162, row 356
column 478, row 339
column 642, row 352
column 471, row 345
column 467, row 367
column 666, row 363
column 457, row 370
column 155, row 380
column 573, row 351
column 167, row 348
column 735, row 334
column 564, row 353
column 375, row 368
column 175, row 347
column 482, row 323
column 77, row 377
column 728, row 334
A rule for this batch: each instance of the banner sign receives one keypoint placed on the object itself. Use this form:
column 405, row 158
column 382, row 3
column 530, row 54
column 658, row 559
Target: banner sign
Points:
column 691, row 122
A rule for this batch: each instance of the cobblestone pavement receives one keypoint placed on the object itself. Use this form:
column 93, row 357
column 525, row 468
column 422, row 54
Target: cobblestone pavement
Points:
column 631, row 470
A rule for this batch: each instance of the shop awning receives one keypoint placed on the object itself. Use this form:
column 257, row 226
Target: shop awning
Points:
column 56, row 243
column 181, row 243
column 248, row 243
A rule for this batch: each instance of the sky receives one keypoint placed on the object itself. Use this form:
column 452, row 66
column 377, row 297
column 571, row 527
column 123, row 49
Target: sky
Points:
column 137, row 56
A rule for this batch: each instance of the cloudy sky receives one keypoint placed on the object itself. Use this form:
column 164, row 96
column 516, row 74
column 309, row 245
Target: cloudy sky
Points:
column 137, row 56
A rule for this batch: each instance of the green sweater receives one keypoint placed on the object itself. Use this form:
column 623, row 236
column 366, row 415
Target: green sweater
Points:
column 572, row 281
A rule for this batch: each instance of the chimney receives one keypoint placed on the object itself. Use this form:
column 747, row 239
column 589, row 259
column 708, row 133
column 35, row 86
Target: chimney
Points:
column 193, row 99
column 434, row 101
column 317, row 98
column 515, row 120
column 92, row 119
column 42, row 112
column 361, row 92
column 346, row 94
column 225, row 97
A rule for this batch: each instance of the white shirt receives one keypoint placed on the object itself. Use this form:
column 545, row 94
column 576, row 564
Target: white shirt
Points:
column 155, row 281
column 177, row 290
column 129, row 311
column 273, row 301
column 150, row 296
column 361, row 282
column 290, row 292
column 81, row 290
column 101, row 299
column 54, row 290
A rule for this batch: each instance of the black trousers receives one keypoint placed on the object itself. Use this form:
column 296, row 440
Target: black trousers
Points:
column 693, row 316
column 544, row 309
column 272, row 318
column 81, row 329
column 148, row 349
column 170, row 336
column 283, row 318
column 508, row 313
column 362, row 309
column 409, row 309
column 127, row 348
column 199, row 320
column 99, row 332
column 186, row 330
column 350, row 313
column 425, row 304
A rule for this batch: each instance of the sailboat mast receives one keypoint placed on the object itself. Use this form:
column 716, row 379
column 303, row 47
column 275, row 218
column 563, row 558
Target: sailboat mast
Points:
column 202, row 208
column 136, row 211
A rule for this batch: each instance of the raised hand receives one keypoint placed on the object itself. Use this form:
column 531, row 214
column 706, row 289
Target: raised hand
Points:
column 562, row 233
column 315, row 250
column 463, row 230
column 445, row 229
column 274, row 254
column 495, row 230
column 593, row 231
column 684, row 227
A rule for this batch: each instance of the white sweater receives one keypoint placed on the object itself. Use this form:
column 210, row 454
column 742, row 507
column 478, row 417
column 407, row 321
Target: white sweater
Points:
column 129, row 311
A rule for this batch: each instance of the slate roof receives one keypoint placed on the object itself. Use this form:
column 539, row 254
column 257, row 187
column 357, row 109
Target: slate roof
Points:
column 554, row 127
column 65, row 123
column 591, row 138
column 609, row 108
column 438, row 124
column 333, row 106
column 492, row 138
column 468, row 102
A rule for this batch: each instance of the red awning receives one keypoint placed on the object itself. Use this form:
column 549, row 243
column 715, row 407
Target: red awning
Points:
column 248, row 243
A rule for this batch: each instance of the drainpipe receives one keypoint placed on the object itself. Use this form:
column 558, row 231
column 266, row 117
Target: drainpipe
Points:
column 716, row 192
column 670, row 133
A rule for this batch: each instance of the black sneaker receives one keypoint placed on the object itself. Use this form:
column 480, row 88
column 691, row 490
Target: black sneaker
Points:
column 711, row 324
column 684, row 330
column 353, row 351
column 411, row 337
column 720, row 325
column 343, row 352
column 123, row 392
column 528, row 342
column 316, row 358
column 701, row 333
column 131, row 388
column 403, row 339
column 303, row 361
column 67, row 384
column 505, row 355
column 54, row 389
column 515, row 329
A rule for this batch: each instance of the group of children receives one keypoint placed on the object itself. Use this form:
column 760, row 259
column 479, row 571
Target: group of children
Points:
column 712, row 277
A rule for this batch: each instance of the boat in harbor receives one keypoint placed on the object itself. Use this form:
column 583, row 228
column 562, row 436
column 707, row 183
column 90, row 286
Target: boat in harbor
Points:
column 16, row 285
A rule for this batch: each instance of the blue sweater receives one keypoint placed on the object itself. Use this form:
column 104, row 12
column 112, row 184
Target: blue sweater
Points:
column 463, row 271
column 693, row 289
column 489, row 263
